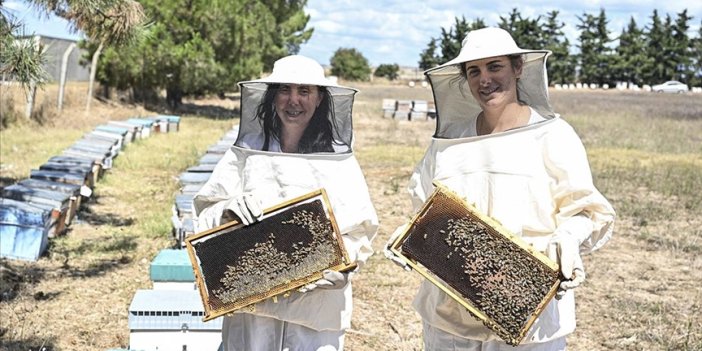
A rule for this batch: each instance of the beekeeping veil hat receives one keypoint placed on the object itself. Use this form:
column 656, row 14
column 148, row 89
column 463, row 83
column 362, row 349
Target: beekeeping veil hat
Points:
column 454, row 102
column 301, row 70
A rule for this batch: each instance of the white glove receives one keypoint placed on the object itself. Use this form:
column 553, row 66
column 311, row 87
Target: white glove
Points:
column 244, row 207
column 565, row 250
column 331, row 280
column 390, row 255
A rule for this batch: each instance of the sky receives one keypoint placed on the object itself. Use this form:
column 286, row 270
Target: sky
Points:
column 396, row 31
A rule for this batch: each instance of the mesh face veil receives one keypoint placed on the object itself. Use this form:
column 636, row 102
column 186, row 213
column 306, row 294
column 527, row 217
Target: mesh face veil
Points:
column 454, row 101
column 298, row 70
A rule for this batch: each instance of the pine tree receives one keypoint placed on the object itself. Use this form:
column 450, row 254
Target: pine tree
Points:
column 428, row 58
column 657, row 49
column 696, row 62
column 526, row 32
column 560, row 66
column 595, row 56
column 680, row 47
column 452, row 38
column 631, row 55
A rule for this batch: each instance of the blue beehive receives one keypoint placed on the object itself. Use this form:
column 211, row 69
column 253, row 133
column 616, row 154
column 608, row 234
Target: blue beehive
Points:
column 72, row 190
column 103, row 143
column 134, row 129
column 96, row 146
column 24, row 229
column 59, row 202
column 186, row 178
column 146, row 124
column 85, row 161
column 57, row 176
column 116, row 138
column 86, row 171
column 104, row 159
column 171, row 270
column 210, row 158
column 171, row 320
column 218, row 149
column 173, row 122
column 207, row 168
column 126, row 134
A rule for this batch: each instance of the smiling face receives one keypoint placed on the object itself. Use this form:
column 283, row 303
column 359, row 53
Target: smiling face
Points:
column 493, row 81
column 295, row 104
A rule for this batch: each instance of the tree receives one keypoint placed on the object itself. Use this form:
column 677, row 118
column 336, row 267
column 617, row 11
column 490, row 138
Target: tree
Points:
column 595, row 56
column 350, row 64
column 526, row 32
column 452, row 38
column 22, row 59
column 560, row 66
column 205, row 46
column 290, row 29
column 659, row 67
column 428, row 58
column 107, row 22
column 696, row 55
column 680, row 47
column 631, row 55
column 389, row 71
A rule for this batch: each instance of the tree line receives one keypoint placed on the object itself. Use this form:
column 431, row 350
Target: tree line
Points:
column 199, row 47
column 658, row 51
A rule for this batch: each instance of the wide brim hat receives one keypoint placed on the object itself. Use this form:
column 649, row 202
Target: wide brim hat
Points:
column 301, row 70
column 454, row 102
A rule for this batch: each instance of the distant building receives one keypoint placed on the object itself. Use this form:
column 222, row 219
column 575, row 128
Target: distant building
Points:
column 55, row 49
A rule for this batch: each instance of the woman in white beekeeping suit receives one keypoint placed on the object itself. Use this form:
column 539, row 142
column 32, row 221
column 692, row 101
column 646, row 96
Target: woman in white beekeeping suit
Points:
column 499, row 145
column 295, row 136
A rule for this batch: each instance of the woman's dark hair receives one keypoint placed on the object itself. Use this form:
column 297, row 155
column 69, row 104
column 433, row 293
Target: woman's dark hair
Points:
column 319, row 136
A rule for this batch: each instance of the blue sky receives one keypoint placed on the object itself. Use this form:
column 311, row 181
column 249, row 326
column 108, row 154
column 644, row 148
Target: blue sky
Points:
column 396, row 31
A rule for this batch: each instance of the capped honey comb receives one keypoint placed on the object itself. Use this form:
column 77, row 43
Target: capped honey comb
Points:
column 236, row 266
column 496, row 276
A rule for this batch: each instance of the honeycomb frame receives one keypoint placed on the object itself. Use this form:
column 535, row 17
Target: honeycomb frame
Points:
column 219, row 302
column 511, row 331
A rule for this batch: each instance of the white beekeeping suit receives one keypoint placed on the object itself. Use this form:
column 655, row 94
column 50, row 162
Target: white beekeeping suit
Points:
column 535, row 180
column 301, row 320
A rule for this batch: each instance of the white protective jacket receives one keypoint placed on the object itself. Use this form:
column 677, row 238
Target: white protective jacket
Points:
column 277, row 177
column 531, row 180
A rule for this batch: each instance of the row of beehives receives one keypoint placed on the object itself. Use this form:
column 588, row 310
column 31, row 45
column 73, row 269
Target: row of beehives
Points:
column 43, row 206
column 408, row 109
column 169, row 316
column 191, row 181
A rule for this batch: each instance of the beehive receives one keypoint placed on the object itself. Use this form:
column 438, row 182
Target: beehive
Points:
column 171, row 270
column 171, row 320
column 236, row 266
column 496, row 276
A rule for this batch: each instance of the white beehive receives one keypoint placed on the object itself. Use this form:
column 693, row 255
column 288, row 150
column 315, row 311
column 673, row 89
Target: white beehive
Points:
column 171, row 320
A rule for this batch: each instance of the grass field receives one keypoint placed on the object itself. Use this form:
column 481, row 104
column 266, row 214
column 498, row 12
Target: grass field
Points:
column 643, row 290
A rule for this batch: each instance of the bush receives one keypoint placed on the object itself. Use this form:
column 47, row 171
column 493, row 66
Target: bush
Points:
column 350, row 64
column 389, row 71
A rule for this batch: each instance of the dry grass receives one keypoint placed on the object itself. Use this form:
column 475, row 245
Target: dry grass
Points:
column 642, row 292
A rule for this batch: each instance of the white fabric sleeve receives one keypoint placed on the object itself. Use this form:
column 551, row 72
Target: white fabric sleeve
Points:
column 573, row 190
column 358, row 241
column 420, row 183
column 213, row 197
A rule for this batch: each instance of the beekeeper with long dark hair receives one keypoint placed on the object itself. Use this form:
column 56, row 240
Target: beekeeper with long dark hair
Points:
column 499, row 145
column 295, row 136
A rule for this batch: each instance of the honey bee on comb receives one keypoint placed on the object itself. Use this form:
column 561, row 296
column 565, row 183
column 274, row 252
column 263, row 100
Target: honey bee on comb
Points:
column 496, row 276
column 237, row 266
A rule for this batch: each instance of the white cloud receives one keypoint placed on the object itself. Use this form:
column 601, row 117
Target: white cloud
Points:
column 396, row 31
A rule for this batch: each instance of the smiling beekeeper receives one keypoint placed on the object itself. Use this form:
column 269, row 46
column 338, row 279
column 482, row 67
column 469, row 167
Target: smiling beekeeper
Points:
column 499, row 145
column 295, row 136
